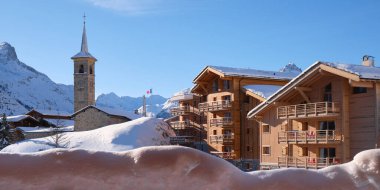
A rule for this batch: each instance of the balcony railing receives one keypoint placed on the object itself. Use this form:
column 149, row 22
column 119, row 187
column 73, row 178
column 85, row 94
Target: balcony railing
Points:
column 182, row 110
column 223, row 121
column 224, row 155
column 215, row 105
column 225, row 138
column 181, row 139
column 317, row 109
column 180, row 124
column 306, row 162
column 309, row 137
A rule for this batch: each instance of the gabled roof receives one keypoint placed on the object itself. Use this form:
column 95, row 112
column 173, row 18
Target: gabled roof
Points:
column 246, row 72
column 18, row 118
column 110, row 111
column 49, row 112
column 352, row 72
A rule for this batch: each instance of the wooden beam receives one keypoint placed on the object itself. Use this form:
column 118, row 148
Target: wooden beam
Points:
column 360, row 84
column 305, row 89
column 340, row 72
column 303, row 95
column 204, row 88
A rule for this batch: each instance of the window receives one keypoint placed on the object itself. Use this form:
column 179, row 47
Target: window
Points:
column 81, row 69
column 248, row 131
column 214, row 132
column 327, row 125
column 248, row 148
column 226, row 84
column 226, row 98
column 228, row 114
column 266, row 128
column 266, row 150
column 215, row 86
column 227, row 132
column 284, row 150
column 359, row 90
column 214, row 99
column 327, row 152
column 90, row 70
column 327, row 96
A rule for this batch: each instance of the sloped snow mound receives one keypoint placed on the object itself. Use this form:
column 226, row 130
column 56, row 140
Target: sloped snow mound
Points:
column 118, row 137
column 171, row 167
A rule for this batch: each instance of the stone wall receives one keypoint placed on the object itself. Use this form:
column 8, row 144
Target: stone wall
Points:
column 92, row 118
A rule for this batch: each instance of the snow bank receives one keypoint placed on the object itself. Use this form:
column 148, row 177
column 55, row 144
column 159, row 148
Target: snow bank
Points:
column 171, row 167
column 118, row 137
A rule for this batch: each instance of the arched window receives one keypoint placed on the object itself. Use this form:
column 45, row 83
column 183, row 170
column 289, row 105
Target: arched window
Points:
column 90, row 70
column 81, row 69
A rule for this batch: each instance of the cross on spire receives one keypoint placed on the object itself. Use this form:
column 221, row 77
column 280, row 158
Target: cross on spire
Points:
column 84, row 18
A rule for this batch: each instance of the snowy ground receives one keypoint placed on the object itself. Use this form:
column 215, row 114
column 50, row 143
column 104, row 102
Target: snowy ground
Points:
column 120, row 137
column 171, row 167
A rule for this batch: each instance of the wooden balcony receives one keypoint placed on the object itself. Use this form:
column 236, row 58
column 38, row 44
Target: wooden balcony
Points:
column 224, row 155
column 225, row 138
column 183, row 110
column 215, row 106
column 318, row 109
column 181, row 139
column 306, row 162
column 310, row 137
column 221, row 122
column 180, row 124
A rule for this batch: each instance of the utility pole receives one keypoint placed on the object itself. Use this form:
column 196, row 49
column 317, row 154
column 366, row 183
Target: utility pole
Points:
column 144, row 106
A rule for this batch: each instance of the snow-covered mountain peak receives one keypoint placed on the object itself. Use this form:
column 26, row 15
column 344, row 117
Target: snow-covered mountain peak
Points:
column 7, row 52
column 291, row 67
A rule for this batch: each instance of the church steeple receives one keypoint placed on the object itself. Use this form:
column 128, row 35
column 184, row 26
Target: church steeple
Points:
column 84, row 46
column 84, row 75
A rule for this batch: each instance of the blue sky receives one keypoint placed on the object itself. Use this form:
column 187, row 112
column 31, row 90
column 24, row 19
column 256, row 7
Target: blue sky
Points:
column 164, row 44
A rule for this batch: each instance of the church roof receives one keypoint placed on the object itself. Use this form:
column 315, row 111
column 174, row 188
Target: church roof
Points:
column 84, row 46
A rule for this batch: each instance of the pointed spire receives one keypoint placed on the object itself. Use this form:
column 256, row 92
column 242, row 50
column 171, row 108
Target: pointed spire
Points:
column 84, row 46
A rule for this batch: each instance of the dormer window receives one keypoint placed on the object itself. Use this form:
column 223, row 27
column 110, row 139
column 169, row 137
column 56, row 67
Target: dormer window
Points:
column 81, row 69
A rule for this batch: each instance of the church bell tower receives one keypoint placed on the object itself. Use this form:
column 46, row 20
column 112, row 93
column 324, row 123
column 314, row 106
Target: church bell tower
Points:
column 84, row 75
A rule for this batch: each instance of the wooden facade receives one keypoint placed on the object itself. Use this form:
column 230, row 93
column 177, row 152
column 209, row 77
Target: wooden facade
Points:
column 323, row 117
column 189, row 123
column 225, row 103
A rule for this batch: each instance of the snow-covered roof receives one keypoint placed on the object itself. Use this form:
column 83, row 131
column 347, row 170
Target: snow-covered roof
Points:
column 182, row 95
column 111, row 111
column 246, row 72
column 364, row 72
column 262, row 90
column 52, row 112
column 18, row 118
column 118, row 112
column 46, row 129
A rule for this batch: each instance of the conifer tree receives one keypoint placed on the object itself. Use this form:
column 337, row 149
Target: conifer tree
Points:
column 4, row 132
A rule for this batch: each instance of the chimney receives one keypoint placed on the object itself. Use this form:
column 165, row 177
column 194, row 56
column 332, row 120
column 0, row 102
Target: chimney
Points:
column 368, row 61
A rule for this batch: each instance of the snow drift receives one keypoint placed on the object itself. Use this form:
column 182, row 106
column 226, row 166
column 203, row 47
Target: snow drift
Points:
column 119, row 137
column 171, row 167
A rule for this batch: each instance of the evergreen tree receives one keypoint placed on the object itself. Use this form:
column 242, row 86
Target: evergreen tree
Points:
column 4, row 133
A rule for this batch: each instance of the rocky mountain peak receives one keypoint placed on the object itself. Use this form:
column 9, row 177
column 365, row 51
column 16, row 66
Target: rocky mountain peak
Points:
column 291, row 67
column 7, row 51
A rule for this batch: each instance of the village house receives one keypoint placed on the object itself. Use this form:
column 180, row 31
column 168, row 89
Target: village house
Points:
column 226, row 96
column 324, row 116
